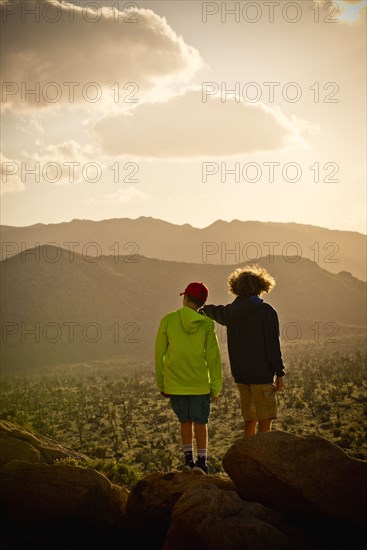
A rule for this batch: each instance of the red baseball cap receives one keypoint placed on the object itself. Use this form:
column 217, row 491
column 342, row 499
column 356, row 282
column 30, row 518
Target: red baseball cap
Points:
column 196, row 290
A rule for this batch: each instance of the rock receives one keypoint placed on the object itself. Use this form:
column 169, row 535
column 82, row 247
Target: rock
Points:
column 40, row 496
column 151, row 501
column 306, row 477
column 211, row 518
column 280, row 490
column 19, row 444
column 46, row 503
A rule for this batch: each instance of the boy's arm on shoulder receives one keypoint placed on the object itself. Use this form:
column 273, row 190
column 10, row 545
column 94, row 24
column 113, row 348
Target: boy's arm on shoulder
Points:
column 220, row 314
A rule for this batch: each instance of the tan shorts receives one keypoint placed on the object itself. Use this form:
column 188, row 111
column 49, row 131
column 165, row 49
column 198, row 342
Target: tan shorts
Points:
column 258, row 401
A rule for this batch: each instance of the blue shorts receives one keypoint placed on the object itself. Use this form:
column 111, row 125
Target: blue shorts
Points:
column 194, row 408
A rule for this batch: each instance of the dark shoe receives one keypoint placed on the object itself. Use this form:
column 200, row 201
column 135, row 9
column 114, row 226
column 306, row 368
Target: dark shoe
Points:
column 189, row 463
column 200, row 464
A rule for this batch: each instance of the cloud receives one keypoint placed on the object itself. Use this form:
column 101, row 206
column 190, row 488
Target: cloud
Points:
column 74, row 55
column 351, row 12
column 29, row 126
column 344, row 11
column 61, row 152
column 11, row 180
column 121, row 196
column 185, row 126
column 61, row 164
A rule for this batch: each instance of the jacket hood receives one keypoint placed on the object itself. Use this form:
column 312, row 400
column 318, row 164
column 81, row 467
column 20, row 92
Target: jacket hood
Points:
column 244, row 307
column 190, row 319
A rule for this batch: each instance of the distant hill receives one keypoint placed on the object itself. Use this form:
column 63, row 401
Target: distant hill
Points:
column 220, row 243
column 57, row 308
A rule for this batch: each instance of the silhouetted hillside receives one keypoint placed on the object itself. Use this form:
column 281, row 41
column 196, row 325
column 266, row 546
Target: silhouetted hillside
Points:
column 61, row 308
column 220, row 243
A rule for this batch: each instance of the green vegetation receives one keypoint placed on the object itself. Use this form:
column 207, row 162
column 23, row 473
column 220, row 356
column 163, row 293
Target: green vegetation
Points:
column 116, row 416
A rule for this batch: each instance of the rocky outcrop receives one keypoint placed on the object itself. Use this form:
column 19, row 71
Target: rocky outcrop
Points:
column 43, row 501
column 306, row 477
column 154, row 497
column 280, row 491
column 19, row 444
column 209, row 517
column 40, row 496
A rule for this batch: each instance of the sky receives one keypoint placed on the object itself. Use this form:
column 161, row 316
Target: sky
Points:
column 186, row 111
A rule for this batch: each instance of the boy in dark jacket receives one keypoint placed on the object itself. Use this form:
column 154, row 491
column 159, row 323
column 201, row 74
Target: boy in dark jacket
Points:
column 253, row 345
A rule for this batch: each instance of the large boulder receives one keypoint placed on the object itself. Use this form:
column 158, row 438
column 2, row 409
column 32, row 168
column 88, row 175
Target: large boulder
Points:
column 17, row 443
column 46, row 502
column 211, row 518
column 150, row 502
column 60, row 495
column 306, row 477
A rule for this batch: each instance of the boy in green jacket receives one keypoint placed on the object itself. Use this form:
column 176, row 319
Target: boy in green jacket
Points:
column 189, row 370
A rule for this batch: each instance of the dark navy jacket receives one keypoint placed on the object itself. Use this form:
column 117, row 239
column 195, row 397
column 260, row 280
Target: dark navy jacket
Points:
column 252, row 338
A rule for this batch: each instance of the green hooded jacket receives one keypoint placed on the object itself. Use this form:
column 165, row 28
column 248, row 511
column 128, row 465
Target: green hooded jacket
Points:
column 187, row 355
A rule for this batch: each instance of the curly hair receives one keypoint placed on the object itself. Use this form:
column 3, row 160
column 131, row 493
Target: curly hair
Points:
column 250, row 280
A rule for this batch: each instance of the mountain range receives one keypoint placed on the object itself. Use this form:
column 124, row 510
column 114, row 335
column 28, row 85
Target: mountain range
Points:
column 61, row 308
column 221, row 242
